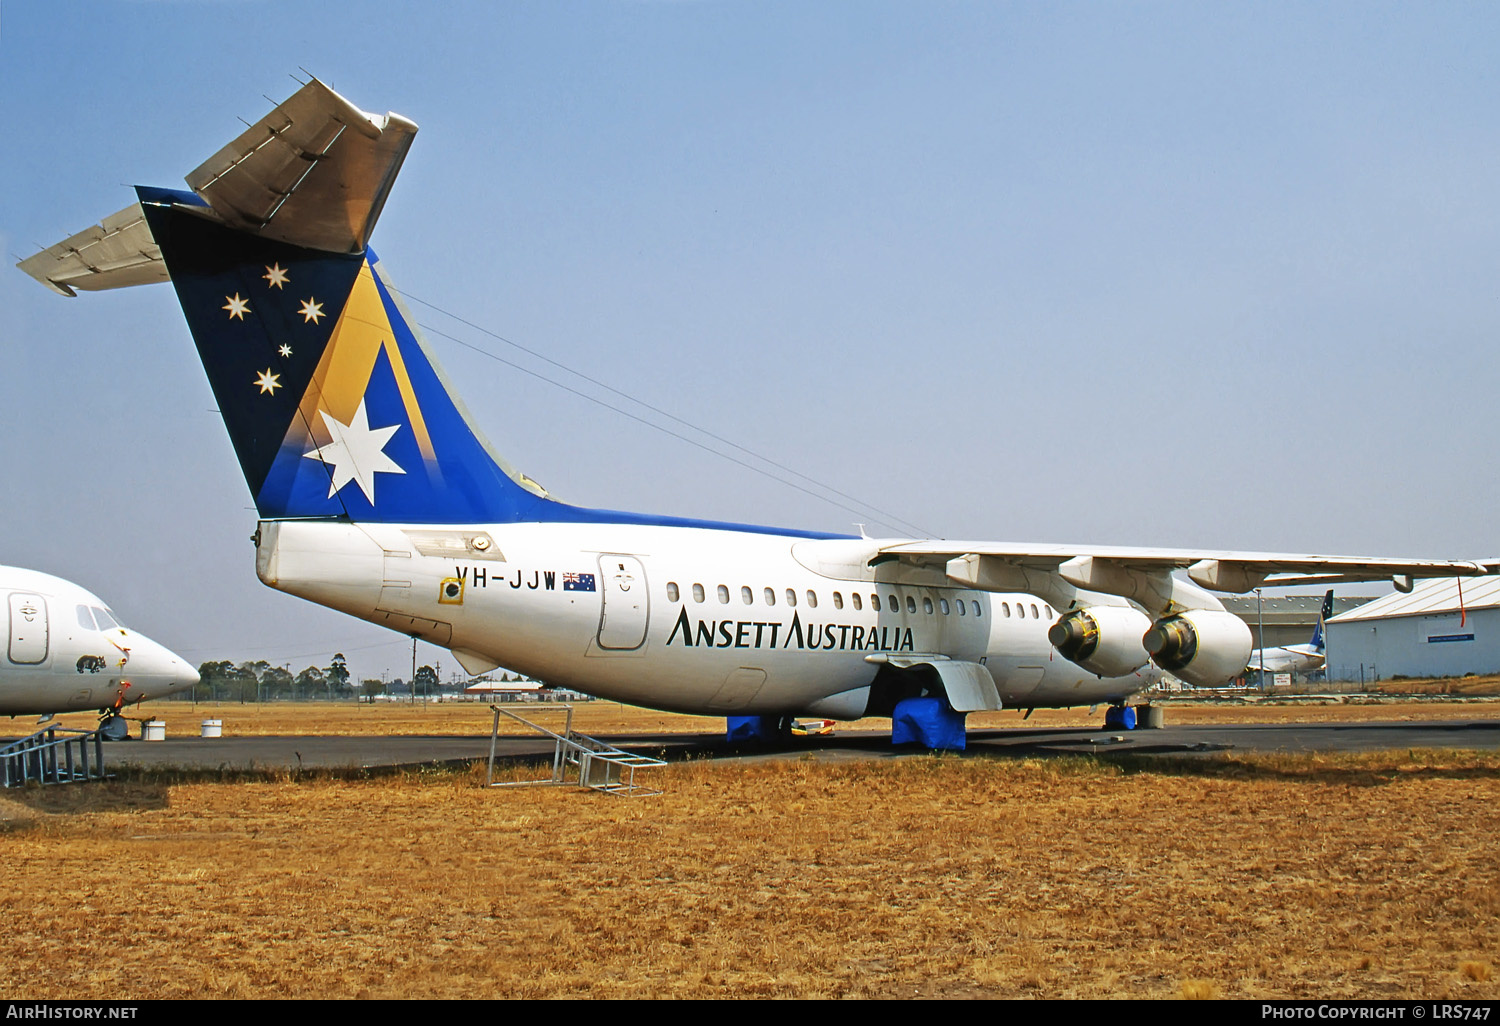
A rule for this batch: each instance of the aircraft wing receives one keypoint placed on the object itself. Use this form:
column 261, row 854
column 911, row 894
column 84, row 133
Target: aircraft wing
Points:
column 1143, row 573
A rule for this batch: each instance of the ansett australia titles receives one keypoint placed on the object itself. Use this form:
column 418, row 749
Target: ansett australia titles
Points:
column 838, row 637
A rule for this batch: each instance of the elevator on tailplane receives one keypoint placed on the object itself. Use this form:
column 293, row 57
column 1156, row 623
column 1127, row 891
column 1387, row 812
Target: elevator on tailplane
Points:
column 377, row 496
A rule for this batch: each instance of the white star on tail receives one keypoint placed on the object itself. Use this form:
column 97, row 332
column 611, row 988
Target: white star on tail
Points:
column 236, row 306
column 276, row 276
column 311, row 311
column 356, row 452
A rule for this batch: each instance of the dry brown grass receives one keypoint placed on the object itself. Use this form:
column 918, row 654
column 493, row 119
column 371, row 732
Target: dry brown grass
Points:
column 1320, row 876
column 613, row 719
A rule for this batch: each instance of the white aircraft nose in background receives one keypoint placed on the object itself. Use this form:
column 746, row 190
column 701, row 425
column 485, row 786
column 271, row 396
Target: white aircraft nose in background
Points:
column 65, row 651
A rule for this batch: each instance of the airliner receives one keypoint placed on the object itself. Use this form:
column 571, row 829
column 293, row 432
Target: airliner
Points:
column 67, row 652
column 377, row 496
column 1295, row 658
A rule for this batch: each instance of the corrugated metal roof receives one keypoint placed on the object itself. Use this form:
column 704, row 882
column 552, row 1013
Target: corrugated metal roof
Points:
column 1435, row 596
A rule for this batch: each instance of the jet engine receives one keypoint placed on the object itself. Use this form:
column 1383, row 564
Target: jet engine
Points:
column 1102, row 639
column 1206, row 647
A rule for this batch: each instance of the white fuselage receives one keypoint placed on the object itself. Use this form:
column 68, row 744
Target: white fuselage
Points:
column 1287, row 659
column 66, row 653
column 691, row 619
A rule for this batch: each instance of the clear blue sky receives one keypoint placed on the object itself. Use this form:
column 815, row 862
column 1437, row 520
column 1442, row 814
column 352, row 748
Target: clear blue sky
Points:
column 1216, row 275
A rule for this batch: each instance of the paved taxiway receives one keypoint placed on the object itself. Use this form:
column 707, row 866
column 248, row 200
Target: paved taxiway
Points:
column 328, row 752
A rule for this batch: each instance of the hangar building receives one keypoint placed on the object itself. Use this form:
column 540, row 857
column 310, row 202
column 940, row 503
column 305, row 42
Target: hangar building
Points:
column 1426, row 633
column 1289, row 619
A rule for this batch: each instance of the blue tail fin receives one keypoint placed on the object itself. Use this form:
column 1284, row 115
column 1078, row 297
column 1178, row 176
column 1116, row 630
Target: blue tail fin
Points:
column 1323, row 616
column 332, row 402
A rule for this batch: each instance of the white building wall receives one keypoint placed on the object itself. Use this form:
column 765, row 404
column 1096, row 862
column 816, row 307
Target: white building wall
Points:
column 1431, row 645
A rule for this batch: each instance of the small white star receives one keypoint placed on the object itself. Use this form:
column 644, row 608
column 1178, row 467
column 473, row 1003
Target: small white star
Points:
column 356, row 452
column 311, row 311
column 285, row 350
column 268, row 382
column 276, row 276
column 236, row 306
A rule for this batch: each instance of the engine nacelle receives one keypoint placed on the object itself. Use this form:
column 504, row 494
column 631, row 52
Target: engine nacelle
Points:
column 1102, row 639
column 1206, row 647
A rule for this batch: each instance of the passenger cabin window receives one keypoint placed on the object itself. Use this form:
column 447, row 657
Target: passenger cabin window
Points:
column 875, row 602
column 1048, row 610
column 838, row 599
column 671, row 592
column 911, row 604
column 791, row 597
column 943, row 605
column 723, row 594
column 892, row 604
column 812, row 599
column 1034, row 614
column 697, row 593
column 977, row 611
column 961, row 610
column 746, row 595
column 770, row 594
column 854, row 597
column 926, row 605
column 1021, row 610
column 1005, row 609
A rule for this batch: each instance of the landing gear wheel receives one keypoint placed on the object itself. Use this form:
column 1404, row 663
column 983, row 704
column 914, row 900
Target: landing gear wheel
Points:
column 114, row 728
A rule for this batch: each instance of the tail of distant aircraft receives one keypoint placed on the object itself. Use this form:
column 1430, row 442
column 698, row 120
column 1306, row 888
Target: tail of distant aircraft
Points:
column 1323, row 616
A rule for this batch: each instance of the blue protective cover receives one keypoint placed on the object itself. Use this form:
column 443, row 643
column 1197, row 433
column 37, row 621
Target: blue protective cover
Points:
column 752, row 728
column 928, row 722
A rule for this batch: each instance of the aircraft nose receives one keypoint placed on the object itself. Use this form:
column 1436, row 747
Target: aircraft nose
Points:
column 166, row 670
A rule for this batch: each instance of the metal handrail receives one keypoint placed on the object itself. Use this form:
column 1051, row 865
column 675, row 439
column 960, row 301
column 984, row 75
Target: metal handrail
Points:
column 53, row 755
column 577, row 759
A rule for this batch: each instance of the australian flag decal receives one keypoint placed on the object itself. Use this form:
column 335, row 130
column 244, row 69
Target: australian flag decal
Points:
column 578, row 582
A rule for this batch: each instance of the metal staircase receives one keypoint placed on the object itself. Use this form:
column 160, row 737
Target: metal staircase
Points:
column 577, row 759
column 53, row 755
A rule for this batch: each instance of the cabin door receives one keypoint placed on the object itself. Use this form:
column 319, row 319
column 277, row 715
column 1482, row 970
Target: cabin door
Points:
column 28, row 628
column 624, row 603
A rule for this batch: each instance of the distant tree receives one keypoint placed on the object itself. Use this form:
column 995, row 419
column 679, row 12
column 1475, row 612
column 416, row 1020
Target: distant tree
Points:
column 212, row 676
column 310, row 683
column 372, row 686
column 426, row 680
column 276, row 683
column 338, row 676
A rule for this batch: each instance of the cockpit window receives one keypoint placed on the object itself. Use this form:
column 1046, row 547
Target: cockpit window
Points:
column 106, row 622
column 86, row 619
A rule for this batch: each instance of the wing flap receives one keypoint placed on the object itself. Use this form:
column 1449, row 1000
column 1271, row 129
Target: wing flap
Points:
column 1217, row 571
